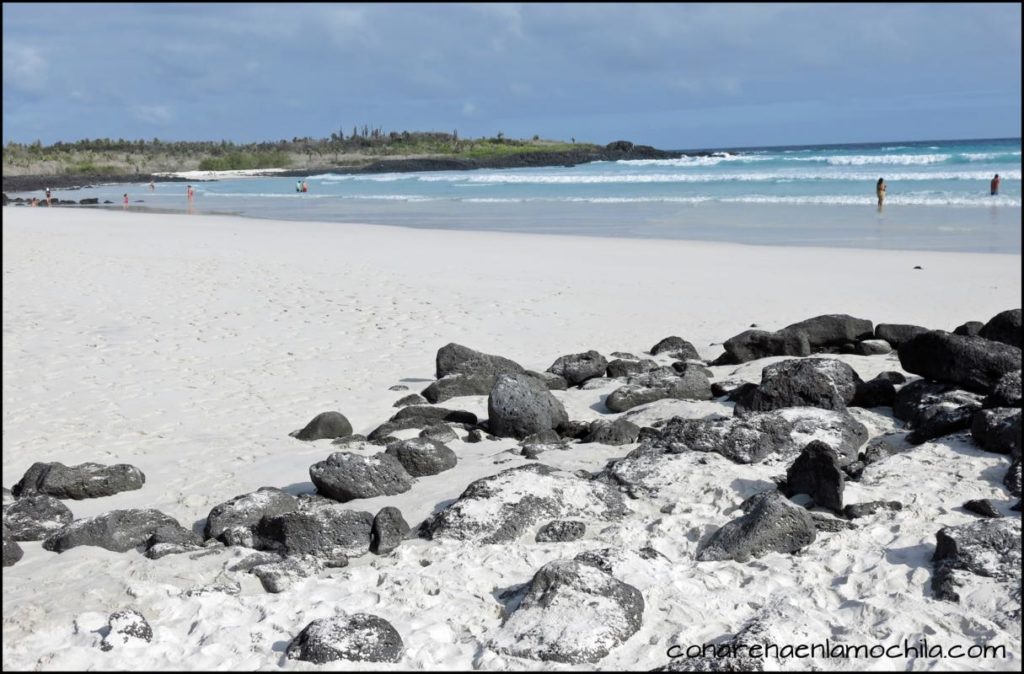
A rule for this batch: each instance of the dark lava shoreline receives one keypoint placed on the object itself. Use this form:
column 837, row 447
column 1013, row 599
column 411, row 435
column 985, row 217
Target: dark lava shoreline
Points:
column 611, row 152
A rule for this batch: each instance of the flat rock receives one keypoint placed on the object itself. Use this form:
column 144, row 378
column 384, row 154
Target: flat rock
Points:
column 87, row 480
column 501, row 507
column 117, row 530
column 753, row 438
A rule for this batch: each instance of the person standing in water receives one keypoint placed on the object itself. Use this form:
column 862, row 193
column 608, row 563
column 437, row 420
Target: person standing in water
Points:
column 126, row 201
column 995, row 185
column 191, row 194
column 48, row 196
column 880, row 192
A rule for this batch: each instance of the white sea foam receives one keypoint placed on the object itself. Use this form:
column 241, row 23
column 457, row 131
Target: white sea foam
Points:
column 884, row 159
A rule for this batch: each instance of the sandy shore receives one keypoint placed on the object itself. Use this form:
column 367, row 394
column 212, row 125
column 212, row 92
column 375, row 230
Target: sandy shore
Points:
column 190, row 346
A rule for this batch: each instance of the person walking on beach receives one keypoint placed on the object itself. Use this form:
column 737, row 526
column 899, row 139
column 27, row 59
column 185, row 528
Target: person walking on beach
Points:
column 995, row 185
column 880, row 192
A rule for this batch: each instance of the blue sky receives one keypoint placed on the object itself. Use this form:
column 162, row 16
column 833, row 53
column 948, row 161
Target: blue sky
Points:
column 676, row 76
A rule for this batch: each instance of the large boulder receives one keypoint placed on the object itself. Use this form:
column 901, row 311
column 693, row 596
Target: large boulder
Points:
column 754, row 344
column 974, row 363
column 831, row 330
column 989, row 547
column 422, row 456
column 816, row 472
column 579, row 367
column 520, row 405
column 33, row 518
column 321, row 528
column 356, row 637
column 1004, row 327
column 573, row 613
column 117, row 530
column 457, row 359
column 501, row 507
column 813, row 382
column 87, row 480
column 677, row 347
column 232, row 522
column 325, row 425
column 754, row 438
column 772, row 524
column 345, row 476
column 898, row 334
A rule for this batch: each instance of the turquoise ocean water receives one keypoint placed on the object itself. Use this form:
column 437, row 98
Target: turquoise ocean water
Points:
column 938, row 197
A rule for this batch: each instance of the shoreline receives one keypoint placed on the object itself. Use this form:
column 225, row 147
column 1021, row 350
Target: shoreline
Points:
column 863, row 246
column 611, row 152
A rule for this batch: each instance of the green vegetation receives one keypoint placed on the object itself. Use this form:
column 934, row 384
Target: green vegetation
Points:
column 103, row 155
column 241, row 160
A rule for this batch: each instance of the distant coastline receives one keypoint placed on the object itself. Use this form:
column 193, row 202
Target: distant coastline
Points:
column 582, row 154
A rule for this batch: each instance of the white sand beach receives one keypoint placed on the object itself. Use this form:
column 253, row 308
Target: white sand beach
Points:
column 191, row 346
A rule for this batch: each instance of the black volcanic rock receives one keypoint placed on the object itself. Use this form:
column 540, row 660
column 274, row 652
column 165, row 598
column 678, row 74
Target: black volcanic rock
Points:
column 975, row 363
column 87, row 480
column 1004, row 327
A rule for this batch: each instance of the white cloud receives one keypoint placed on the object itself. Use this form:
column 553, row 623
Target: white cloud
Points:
column 25, row 68
column 152, row 114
